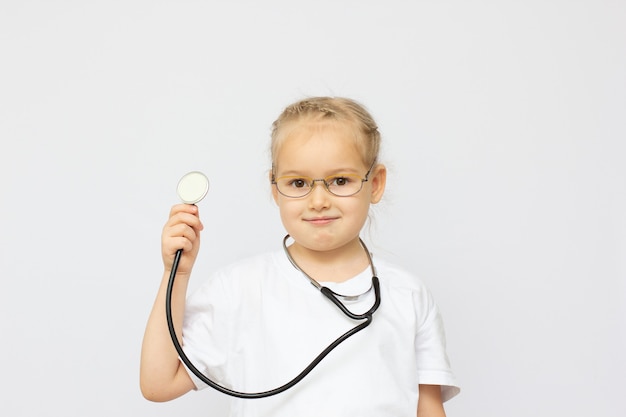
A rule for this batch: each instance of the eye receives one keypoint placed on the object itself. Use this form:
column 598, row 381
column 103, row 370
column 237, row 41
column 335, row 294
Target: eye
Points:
column 339, row 181
column 297, row 183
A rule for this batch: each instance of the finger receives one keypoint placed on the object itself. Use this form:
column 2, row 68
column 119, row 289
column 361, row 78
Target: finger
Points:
column 173, row 243
column 189, row 218
column 184, row 230
column 177, row 232
column 184, row 208
column 179, row 243
column 179, row 221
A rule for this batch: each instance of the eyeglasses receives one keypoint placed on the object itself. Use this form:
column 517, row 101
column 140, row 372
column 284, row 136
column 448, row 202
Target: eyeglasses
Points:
column 341, row 185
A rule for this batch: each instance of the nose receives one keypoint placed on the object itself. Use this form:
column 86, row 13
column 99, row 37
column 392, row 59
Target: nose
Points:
column 319, row 196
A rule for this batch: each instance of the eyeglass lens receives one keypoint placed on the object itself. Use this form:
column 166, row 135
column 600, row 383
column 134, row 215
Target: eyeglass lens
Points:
column 343, row 185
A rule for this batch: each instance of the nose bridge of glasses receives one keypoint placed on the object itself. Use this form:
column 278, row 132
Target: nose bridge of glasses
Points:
column 315, row 180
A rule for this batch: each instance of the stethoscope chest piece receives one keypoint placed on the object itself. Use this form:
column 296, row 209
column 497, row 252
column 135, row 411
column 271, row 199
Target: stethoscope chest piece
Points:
column 192, row 187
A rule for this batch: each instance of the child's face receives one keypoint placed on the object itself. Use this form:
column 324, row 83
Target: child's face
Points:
column 321, row 221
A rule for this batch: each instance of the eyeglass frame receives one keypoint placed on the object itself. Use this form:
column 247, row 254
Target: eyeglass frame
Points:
column 311, row 185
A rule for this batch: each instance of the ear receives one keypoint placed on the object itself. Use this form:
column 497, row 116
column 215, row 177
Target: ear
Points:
column 274, row 189
column 378, row 179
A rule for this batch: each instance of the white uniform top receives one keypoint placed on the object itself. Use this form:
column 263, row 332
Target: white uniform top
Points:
column 255, row 325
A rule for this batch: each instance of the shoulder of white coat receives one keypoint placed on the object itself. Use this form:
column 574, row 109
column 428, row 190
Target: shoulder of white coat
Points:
column 238, row 274
column 247, row 268
column 396, row 276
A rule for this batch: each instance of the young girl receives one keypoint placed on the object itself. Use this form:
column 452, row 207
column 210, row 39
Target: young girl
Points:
column 256, row 324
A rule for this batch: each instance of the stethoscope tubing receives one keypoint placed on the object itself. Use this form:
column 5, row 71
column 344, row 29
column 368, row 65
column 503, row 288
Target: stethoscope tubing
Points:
column 324, row 290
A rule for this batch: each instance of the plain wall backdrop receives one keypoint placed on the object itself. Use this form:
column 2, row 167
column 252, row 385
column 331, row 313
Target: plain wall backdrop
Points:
column 503, row 124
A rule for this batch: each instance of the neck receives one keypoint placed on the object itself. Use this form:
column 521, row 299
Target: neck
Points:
column 330, row 266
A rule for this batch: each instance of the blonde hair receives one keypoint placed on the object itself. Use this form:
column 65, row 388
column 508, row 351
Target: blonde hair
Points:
column 337, row 109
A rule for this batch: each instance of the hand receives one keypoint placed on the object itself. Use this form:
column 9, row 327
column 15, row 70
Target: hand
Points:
column 182, row 231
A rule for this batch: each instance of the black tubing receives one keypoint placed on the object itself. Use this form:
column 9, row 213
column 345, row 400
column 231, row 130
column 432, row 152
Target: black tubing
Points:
column 170, row 323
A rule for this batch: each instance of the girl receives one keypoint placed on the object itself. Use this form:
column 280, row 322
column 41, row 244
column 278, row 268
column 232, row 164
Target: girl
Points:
column 256, row 324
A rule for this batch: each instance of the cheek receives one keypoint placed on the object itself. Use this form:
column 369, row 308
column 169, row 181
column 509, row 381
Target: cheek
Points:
column 359, row 210
column 288, row 209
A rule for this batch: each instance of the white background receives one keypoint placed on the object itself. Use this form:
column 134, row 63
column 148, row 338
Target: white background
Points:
column 504, row 125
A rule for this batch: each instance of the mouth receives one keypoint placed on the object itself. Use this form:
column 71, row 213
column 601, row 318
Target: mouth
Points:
column 320, row 221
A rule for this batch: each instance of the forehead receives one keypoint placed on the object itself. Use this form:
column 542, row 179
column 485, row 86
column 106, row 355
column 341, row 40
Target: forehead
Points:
column 317, row 147
column 314, row 138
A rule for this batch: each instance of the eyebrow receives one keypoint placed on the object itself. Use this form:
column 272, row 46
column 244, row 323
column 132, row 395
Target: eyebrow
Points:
column 295, row 173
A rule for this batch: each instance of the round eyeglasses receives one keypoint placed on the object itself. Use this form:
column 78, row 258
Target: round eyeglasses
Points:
column 341, row 185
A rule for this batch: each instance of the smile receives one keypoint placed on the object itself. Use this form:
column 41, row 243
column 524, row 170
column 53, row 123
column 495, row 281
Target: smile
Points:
column 320, row 221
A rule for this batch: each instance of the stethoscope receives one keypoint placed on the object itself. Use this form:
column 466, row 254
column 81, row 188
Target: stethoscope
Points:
column 192, row 188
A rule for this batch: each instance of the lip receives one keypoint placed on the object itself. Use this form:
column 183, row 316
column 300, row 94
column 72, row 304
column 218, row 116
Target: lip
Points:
column 320, row 221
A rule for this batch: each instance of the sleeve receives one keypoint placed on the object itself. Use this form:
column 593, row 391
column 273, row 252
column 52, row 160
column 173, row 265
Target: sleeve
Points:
column 433, row 365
